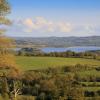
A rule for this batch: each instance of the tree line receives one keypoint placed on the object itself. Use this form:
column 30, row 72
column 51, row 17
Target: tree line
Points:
column 36, row 52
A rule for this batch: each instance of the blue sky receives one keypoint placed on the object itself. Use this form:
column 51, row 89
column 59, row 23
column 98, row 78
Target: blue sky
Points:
column 39, row 18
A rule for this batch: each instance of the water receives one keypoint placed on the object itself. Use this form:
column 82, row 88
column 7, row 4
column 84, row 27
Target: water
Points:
column 75, row 49
column 16, row 49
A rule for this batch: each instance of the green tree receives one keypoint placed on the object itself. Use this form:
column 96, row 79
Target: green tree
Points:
column 4, row 88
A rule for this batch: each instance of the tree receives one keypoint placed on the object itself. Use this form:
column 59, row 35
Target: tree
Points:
column 4, row 9
column 95, row 56
column 7, row 61
column 37, row 87
column 42, row 96
column 5, row 42
column 16, row 88
column 4, row 87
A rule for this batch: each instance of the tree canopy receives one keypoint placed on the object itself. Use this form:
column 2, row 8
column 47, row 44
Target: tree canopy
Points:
column 6, row 58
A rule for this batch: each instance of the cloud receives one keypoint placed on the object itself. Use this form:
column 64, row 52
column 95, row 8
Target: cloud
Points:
column 90, row 28
column 28, row 22
column 41, row 24
column 27, row 30
column 40, row 21
column 65, row 27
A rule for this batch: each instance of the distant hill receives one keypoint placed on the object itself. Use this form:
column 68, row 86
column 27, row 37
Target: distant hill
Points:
column 57, row 41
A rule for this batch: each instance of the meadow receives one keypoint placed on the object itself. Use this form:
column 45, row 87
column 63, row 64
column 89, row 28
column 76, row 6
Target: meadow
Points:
column 85, row 76
column 32, row 63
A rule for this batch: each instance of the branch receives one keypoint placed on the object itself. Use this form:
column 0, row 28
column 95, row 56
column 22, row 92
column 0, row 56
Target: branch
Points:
column 4, row 21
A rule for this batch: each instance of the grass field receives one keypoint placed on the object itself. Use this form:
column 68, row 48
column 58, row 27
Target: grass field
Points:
column 29, row 63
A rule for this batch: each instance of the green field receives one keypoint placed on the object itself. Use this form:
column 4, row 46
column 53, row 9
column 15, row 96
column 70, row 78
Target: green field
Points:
column 29, row 63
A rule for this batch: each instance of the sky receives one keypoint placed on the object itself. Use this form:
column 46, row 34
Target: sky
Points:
column 60, row 18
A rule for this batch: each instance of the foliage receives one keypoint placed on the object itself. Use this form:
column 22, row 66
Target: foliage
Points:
column 7, row 63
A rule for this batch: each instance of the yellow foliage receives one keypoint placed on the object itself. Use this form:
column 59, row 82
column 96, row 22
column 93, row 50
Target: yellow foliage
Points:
column 7, row 60
column 5, row 42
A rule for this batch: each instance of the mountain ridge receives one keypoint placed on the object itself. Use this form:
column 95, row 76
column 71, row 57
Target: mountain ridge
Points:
column 58, row 41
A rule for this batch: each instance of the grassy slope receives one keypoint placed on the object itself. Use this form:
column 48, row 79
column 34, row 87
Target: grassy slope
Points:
column 28, row 63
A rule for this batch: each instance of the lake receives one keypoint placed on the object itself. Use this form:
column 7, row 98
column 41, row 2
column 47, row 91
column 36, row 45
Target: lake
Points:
column 75, row 49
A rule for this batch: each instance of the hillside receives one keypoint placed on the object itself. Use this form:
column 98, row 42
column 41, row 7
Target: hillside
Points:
column 57, row 41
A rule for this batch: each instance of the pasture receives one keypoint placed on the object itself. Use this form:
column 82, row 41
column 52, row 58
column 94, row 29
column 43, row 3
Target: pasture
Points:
column 32, row 63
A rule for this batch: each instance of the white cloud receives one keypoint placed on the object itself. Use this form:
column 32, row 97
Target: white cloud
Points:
column 39, row 25
column 65, row 27
column 27, row 30
column 90, row 28
column 40, row 21
column 43, row 25
column 28, row 22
